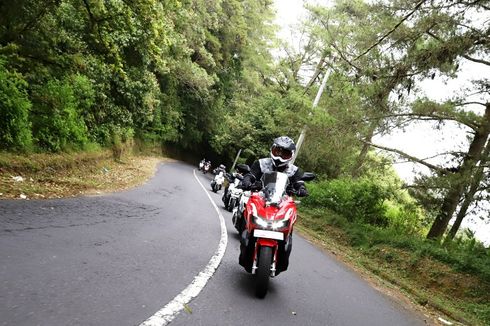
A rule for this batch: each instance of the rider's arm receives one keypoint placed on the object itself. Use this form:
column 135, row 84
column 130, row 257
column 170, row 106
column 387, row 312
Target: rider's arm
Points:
column 299, row 187
column 254, row 175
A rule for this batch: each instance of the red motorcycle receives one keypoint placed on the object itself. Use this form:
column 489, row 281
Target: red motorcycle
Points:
column 266, row 240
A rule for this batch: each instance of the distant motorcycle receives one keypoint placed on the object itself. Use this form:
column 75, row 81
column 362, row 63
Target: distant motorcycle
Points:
column 232, row 193
column 206, row 167
column 218, row 181
column 201, row 165
column 266, row 239
column 237, row 216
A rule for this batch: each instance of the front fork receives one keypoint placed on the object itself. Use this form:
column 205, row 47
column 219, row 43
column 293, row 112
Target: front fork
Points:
column 261, row 242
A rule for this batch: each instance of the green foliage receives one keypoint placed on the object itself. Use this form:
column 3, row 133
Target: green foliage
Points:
column 372, row 200
column 358, row 200
column 56, row 124
column 467, row 255
column 165, row 69
column 15, row 131
column 404, row 215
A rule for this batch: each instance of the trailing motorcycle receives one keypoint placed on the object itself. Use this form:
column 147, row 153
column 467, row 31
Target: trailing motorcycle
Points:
column 206, row 167
column 218, row 181
column 232, row 193
column 237, row 217
column 269, row 217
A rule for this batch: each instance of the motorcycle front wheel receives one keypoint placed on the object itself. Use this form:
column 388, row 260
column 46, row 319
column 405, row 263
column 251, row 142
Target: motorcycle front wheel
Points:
column 231, row 204
column 263, row 271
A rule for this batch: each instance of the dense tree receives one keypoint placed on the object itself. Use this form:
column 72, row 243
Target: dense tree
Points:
column 386, row 49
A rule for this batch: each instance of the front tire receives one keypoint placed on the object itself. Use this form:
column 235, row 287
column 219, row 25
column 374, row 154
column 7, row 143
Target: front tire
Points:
column 263, row 271
column 231, row 204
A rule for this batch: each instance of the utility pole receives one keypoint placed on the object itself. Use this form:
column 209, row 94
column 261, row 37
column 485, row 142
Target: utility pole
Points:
column 236, row 159
column 315, row 104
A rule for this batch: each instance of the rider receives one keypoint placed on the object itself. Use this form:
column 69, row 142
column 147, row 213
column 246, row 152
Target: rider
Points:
column 282, row 152
column 220, row 168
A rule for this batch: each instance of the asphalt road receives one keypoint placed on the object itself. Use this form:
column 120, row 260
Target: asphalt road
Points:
column 117, row 259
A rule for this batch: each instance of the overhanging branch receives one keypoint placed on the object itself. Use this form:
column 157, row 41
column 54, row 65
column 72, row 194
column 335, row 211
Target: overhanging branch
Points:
column 467, row 57
column 428, row 117
column 409, row 157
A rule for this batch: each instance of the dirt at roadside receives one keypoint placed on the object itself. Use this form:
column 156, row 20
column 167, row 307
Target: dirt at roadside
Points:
column 36, row 177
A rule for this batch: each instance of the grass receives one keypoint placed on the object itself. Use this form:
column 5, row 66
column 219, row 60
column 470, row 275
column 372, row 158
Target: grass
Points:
column 454, row 280
column 72, row 174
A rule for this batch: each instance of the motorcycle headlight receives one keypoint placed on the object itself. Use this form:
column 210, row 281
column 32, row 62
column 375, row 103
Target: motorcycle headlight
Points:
column 260, row 221
column 280, row 224
column 274, row 225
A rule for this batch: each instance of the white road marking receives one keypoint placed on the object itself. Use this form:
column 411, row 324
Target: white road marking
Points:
column 171, row 309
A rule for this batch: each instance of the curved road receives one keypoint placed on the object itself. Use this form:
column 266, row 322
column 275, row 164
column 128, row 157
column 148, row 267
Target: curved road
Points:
column 119, row 258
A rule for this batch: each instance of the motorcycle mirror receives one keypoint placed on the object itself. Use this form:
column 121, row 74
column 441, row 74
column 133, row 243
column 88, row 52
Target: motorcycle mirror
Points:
column 308, row 176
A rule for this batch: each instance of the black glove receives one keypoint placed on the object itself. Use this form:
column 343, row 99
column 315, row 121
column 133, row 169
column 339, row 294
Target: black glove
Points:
column 256, row 186
column 301, row 192
column 246, row 183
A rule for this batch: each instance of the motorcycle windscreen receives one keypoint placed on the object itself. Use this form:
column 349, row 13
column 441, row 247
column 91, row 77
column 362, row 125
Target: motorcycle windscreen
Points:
column 275, row 184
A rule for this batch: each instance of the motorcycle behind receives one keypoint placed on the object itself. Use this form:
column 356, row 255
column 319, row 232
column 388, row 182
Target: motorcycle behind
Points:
column 237, row 215
column 206, row 167
column 266, row 239
column 232, row 193
column 218, row 180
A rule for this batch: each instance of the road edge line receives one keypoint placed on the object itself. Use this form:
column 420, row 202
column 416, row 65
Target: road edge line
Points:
column 165, row 315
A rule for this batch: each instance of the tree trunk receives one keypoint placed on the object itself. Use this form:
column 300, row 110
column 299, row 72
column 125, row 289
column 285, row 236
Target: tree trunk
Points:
column 469, row 198
column 454, row 194
column 356, row 170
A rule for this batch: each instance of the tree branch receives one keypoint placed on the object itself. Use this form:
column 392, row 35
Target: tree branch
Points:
column 469, row 103
column 427, row 116
column 341, row 54
column 476, row 60
column 408, row 156
column 417, row 6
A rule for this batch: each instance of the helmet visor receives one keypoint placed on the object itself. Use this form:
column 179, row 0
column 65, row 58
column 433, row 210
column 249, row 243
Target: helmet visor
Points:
column 283, row 153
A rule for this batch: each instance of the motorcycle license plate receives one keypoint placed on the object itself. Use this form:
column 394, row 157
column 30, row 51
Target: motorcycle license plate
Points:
column 268, row 234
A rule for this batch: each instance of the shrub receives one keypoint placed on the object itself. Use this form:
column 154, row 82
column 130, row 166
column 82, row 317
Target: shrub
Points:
column 15, row 129
column 356, row 199
column 57, row 123
column 404, row 215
